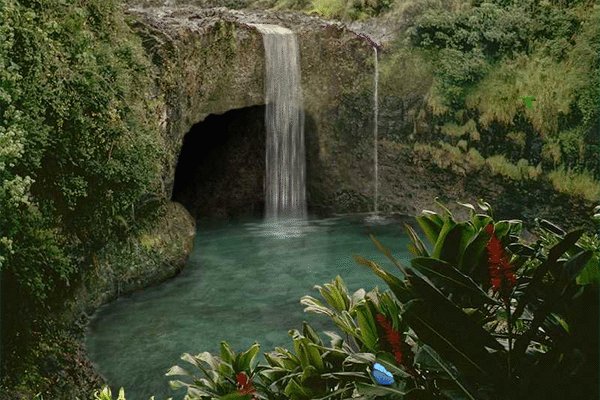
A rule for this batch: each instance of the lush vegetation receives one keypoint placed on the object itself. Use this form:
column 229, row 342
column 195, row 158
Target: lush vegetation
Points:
column 80, row 154
column 479, row 313
column 485, row 59
column 474, row 62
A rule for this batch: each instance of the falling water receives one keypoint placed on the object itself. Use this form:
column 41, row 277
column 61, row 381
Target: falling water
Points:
column 375, row 129
column 284, row 119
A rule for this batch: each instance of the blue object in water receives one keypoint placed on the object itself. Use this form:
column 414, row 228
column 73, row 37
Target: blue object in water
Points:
column 382, row 375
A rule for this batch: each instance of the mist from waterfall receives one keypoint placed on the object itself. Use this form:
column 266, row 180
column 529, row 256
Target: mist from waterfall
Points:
column 285, row 191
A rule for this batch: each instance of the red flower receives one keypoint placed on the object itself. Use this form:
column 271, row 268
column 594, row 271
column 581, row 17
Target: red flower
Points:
column 393, row 337
column 244, row 384
column 502, row 277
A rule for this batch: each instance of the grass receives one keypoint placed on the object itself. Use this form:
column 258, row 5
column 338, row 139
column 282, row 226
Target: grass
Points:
column 581, row 184
column 453, row 130
column 462, row 161
column 499, row 165
column 555, row 85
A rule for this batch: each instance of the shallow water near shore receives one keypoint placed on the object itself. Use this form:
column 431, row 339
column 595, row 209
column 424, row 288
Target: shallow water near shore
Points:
column 243, row 283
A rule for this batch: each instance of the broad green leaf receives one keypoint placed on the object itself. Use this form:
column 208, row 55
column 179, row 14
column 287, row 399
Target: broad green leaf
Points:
column 244, row 361
column 345, row 375
column 549, row 226
column 335, row 296
column 367, row 326
column 550, row 263
column 376, row 390
column 236, row 396
column 308, row 373
column 295, row 391
column 360, row 358
column 480, row 221
column 428, row 292
column 591, row 272
column 417, row 246
column 468, row 205
column 471, row 257
column 176, row 370
column 445, row 275
column 310, row 333
column 274, row 359
column 357, row 297
column 437, row 361
column 227, row 355
column 396, row 285
column 441, row 239
column 392, row 367
column 454, row 243
column 299, row 349
column 316, row 359
column 315, row 306
column 388, row 253
column 431, row 225
column 564, row 245
column 573, row 268
column 336, row 340
column 445, row 333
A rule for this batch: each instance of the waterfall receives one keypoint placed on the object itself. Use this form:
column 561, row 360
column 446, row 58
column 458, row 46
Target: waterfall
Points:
column 375, row 129
column 285, row 192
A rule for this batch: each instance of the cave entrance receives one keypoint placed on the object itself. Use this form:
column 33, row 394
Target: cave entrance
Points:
column 221, row 166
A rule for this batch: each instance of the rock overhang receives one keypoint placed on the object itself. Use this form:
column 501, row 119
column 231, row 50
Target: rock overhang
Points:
column 210, row 61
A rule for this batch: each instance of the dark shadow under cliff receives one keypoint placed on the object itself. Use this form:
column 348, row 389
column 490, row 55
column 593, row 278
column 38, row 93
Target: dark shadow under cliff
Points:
column 221, row 166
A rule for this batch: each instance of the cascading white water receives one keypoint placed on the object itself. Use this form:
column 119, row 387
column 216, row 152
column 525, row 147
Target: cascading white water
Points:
column 285, row 195
column 376, row 129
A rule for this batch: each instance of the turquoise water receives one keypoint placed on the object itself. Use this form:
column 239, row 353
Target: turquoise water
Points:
column 243, row 283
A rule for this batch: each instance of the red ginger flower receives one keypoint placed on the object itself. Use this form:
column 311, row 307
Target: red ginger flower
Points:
column 393, row 337
column 244, row 384
column 501, row 272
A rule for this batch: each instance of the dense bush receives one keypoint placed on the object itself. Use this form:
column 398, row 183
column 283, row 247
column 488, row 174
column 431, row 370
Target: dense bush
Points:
column 80, row 151
column 487, row 57
column 479, row 313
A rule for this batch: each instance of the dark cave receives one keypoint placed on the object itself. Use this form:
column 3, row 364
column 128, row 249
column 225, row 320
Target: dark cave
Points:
column 221, row 166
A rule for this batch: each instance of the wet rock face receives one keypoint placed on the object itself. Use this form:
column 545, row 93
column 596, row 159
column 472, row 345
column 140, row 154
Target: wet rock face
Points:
column 211, row 61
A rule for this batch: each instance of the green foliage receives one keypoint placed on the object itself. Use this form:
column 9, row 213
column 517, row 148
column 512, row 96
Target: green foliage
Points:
column 106, row 394
column 80, row 150
column 460, row 334
column 490, row 55
column 349, row 9
column 494, row 29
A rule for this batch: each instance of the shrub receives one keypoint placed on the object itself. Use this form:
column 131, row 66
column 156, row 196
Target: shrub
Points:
column 350, row 9
column 478, row 314
column 80, row 149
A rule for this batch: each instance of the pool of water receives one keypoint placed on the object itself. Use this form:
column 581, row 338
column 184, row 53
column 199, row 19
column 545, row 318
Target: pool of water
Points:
column 242, row 283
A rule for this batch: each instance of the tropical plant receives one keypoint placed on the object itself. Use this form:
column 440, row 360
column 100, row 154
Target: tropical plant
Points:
column 478, row 314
